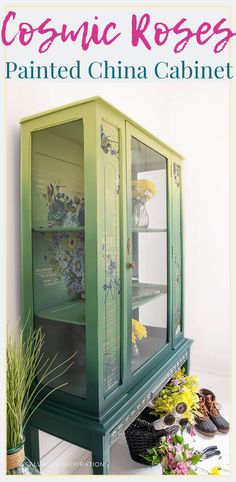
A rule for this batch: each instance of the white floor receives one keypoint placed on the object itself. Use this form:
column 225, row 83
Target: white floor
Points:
column 59, row 457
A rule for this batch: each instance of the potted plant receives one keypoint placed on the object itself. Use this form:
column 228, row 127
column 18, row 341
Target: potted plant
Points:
column 27, row 374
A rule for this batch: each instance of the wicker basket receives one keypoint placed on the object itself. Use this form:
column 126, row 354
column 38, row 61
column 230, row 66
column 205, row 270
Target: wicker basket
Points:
column 141, row 435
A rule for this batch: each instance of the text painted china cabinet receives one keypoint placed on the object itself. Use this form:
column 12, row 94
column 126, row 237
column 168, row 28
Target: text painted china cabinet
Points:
column 102, row 268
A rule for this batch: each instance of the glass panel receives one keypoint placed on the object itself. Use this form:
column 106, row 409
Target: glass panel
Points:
column 110, row 223
column 149, row 252
column 59, row 246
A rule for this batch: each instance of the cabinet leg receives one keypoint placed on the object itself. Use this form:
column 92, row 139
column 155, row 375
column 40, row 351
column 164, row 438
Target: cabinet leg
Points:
column 100, row 455
column 32, row 445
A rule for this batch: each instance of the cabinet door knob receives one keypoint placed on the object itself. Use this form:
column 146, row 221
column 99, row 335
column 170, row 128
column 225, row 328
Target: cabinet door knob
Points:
column 131, row 265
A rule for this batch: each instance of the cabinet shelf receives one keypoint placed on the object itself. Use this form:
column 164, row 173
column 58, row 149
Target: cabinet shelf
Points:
column 145, row 292
column 59, row 229
column 70, row 312
column 148, row 230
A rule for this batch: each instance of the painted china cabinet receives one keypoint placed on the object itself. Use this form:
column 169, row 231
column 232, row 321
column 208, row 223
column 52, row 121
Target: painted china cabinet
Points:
column 102, row 268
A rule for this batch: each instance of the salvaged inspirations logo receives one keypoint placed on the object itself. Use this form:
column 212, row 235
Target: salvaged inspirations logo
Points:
column 139, row 33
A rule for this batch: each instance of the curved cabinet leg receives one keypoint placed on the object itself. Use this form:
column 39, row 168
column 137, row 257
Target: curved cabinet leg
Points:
column 32, row 445
column 100, row 454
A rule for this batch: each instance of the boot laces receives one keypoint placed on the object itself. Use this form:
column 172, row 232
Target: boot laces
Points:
column 213, row 408
column 202, row 409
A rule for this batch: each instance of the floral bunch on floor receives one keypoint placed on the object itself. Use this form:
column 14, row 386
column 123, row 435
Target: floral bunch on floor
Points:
column 181, row 388
column 174, row 455
column 143, row 189
column 139, row 331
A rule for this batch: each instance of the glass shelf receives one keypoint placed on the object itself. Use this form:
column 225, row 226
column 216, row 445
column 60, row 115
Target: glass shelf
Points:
column 59, row 229
column 70, row 312
column 145, row 292
column 148, row 230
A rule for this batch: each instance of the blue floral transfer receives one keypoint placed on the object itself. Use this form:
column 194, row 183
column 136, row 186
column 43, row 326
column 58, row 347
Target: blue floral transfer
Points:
column 65, row 256
column 107, row 144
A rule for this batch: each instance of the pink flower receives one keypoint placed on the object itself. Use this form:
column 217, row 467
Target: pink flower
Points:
column 170, row 461
column 182, row 468
column 189, row 454
column 191, row 430
column 179, row 448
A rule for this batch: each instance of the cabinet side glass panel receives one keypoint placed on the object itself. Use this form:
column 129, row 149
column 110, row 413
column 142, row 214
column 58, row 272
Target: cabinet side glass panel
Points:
column 177, row 251
column 58, row 221
column 149, row 252
column 110, row 289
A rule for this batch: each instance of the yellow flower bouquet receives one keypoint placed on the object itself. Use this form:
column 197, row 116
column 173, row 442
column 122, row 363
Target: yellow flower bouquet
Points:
column 181, row 388
column 139, row 331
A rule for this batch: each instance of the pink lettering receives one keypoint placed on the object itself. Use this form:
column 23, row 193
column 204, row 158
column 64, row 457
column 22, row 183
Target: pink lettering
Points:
column 223, row 42
column 4, row 28
column 138, row 30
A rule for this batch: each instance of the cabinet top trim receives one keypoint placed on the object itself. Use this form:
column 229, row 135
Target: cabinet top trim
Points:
column 107, row 104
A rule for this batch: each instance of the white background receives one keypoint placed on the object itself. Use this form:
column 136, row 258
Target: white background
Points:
column 194, row 118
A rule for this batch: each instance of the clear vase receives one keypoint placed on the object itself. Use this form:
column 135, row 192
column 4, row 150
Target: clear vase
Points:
column 18, row 464
column 135, row 351
column 140, row 214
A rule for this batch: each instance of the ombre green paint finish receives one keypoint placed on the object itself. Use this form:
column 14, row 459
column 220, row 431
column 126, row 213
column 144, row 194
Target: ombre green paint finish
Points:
column 92, row 422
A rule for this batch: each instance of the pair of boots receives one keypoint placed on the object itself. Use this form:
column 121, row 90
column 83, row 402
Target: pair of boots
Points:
column 210, row 421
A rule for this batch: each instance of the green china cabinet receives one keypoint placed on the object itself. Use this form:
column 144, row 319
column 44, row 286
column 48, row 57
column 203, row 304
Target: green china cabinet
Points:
column 102, row 268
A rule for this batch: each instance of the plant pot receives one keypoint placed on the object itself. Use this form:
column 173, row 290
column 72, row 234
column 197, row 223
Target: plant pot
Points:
column 18, row 464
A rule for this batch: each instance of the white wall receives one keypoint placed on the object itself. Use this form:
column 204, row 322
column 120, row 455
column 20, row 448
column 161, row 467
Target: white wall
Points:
column 193, row 117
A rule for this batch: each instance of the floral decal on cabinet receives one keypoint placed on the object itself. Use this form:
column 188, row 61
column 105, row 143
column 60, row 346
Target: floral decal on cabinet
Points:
column 64, row 254
column 176, row 174
column 112, row 284
column 62, row 209
column 108, row 144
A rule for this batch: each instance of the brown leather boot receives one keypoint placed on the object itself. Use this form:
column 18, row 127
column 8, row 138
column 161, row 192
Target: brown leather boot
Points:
column 213, row 410
column 203, row 423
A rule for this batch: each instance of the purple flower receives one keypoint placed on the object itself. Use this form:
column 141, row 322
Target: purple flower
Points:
column 174, row 382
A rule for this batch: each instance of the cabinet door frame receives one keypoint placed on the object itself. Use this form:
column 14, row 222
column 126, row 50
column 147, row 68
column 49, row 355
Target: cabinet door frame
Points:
column 85, row 112
column 177, row 184
column 133, row 131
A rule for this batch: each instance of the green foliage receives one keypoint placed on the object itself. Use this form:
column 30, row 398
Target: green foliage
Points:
column 25, row 362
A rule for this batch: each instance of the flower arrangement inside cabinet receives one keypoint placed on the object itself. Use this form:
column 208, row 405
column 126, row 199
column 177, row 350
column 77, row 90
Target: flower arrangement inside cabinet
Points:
column 58, row 223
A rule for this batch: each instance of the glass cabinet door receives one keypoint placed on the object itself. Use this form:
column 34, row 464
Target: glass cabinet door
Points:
column 149, row 252
column 58, row 238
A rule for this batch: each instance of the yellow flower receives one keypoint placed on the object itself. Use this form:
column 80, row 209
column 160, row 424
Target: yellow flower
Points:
column 139, row 331
column 143, row 189
column 215, row 471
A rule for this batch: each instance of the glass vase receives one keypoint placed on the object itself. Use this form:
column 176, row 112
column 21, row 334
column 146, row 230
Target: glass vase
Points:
column 140, row 214
column 18, row 464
